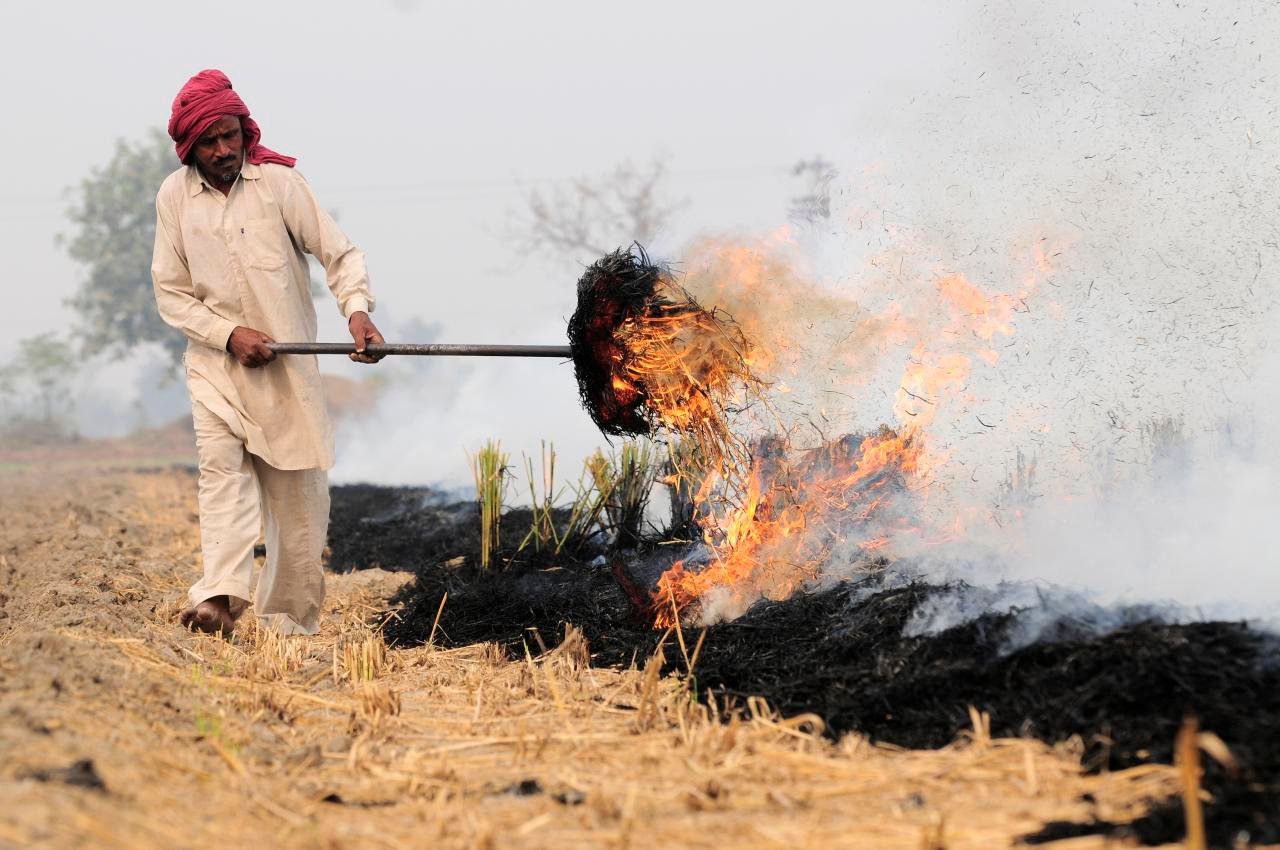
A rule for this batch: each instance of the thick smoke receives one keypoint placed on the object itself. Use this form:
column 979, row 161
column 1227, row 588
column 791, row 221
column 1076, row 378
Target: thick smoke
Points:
column 1105, row 179
column 433, row 411
column 1107, row 172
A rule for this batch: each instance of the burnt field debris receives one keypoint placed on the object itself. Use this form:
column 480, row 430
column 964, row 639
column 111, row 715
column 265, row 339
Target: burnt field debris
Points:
column 365, row 744
column 845, row 653
column 801, row 555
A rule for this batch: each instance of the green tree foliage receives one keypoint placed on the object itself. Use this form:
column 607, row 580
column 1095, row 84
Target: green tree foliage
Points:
column 114, row 232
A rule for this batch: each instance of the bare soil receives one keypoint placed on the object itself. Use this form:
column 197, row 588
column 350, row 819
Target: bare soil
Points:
column 120, row 729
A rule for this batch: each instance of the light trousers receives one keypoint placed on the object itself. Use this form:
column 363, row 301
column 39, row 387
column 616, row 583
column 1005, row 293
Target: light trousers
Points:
column 242, row 496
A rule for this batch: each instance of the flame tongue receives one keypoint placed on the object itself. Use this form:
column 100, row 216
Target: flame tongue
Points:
column 648, row 356
column 791, row 517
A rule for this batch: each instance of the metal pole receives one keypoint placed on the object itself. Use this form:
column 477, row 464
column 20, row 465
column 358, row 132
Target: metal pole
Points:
column 424, row 349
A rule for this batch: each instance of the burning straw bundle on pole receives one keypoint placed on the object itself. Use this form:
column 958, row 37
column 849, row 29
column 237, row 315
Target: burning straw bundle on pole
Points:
column 648, row 356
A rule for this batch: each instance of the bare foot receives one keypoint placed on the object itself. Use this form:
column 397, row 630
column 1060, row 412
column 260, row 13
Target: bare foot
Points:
column 212, row 615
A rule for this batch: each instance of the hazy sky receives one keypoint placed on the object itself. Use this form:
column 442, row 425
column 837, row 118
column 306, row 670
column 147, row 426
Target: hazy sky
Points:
column 1138, row 133
column 415, row 120
column 416, row 123
column 1130, row 144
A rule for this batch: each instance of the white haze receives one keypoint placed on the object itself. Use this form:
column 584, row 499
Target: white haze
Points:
column 1132, row 146
column 1187, row 541
column 418, row 124
column 1136, row 144
column 1144, row 385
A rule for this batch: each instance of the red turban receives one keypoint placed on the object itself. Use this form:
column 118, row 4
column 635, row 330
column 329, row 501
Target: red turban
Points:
column 202, row 101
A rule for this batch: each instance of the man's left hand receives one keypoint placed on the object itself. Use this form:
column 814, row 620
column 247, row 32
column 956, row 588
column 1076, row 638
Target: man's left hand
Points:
column 364, row 333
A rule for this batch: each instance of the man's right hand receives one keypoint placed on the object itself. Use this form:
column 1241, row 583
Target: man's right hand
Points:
column 249, row 347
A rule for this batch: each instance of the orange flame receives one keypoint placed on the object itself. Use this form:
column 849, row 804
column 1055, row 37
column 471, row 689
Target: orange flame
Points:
column 790, row 519
column 693, row 365
column 772, row 515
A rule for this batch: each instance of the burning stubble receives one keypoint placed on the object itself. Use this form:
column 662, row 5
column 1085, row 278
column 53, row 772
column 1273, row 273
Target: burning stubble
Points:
column 1047, row 301
column 773, row 505
column 798, row 507
column 782, row 487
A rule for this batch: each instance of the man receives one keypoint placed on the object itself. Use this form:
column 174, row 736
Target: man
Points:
column 231, row 227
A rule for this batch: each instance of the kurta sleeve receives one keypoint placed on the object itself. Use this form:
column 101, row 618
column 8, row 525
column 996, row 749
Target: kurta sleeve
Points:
column 319, row 235
column 175, row 294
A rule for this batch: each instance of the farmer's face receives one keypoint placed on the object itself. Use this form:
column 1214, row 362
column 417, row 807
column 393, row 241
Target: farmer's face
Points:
column 220, row 150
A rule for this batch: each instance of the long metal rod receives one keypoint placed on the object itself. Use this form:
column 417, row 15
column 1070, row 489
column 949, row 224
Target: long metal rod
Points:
column 424, row 349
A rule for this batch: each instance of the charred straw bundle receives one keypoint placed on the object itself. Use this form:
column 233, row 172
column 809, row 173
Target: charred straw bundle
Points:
column 648, row 356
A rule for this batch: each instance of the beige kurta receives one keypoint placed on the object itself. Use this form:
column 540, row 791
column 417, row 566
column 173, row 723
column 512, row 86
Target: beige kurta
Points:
column 222, row 261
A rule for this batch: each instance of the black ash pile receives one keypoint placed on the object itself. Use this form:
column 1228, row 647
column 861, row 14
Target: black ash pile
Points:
column 847, row 655
column 398, row 528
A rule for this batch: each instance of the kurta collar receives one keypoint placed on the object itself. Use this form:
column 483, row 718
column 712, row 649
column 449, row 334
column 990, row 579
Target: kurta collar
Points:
column 195, row 183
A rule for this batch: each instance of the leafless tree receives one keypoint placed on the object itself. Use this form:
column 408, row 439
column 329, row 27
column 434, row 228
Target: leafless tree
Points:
column 582, row 219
